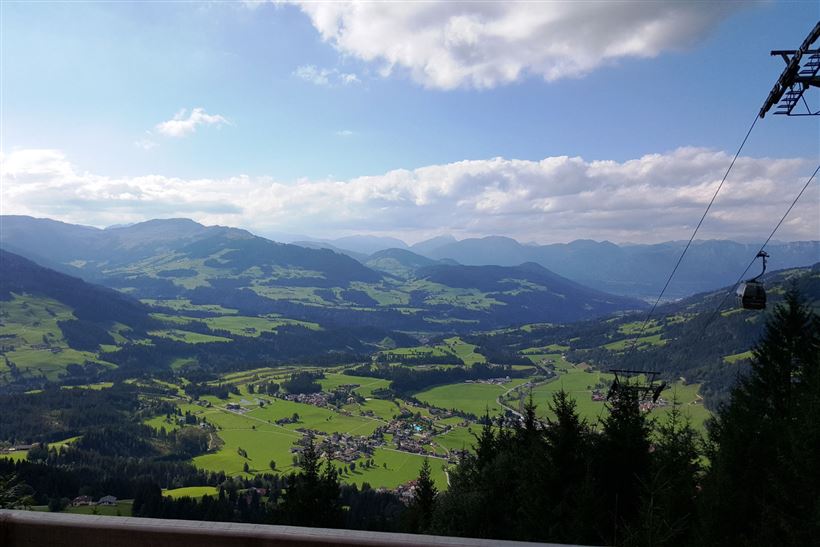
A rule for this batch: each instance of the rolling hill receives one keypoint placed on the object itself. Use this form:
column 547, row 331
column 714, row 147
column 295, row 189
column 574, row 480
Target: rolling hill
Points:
column 692, row 339
column 165, row 262
column 52, row 324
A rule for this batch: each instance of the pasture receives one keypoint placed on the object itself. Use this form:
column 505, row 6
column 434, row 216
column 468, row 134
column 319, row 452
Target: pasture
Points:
column 191, row 492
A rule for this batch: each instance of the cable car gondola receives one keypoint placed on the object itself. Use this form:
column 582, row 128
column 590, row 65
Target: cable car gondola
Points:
column 751, row 295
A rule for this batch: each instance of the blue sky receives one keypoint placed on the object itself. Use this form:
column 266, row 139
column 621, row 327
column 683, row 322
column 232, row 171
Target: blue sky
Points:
column 298, row 105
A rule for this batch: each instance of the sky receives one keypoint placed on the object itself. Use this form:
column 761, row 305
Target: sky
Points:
column 542, row 121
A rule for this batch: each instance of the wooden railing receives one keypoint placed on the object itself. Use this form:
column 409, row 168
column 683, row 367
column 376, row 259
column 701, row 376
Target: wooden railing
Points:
column 36, row 529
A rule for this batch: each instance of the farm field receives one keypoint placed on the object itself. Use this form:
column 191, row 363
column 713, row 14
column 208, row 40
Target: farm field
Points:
column 400, row 468
column 188, row 337
column 183, row 304
column 474, row 398
column 252, row 326
column 458, row 438
column 262, row 442
column 732, row 359
column 366, row 384
column 191, row 492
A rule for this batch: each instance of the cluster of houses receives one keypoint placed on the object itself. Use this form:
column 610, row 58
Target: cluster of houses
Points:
column 348, row 448
column 646, row 406
column 339, row 446
column 410, row 432
column 315, row 399
column 88, row 500
column 493, row 381
column 407, row 491
column 235, row 407
column 16, row 448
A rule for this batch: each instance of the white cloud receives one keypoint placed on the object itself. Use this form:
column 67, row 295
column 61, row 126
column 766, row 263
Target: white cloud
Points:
column 146, row 142
column 345, row 133
column 656, row 197
column 181, row 126
column 484, row 44
column 325, row 76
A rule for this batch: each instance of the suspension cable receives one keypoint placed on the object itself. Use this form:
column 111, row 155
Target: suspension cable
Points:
column 739, row 279
column 689, row 243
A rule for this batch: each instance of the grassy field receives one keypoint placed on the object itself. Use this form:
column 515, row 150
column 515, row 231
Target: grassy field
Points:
column 262, row 442
column 634, row 327
column 474, row 398
column 96, row 386
column 464, row 351
column 555, row 359
column 451, row 346
column 732, row 359
column 252, row 326
column 314, row 417
column 36, row 346
column 383, row 294
column 183, row 304
column 393, row 468
column 20, row 455
column 161, row 422
column 651, row 340
column 304, row 295
column 27, row 320
column 49, row 362
column 366, row 385
column 187, row 336
column 579, row 384
column 191, row 492
column 472, row 299
column 458, row 438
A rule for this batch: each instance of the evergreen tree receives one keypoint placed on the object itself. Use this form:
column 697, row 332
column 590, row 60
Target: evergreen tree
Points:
column 312, row 497
column 424, row 497
column 667, row 509
column 569, row 484
column 14, row 494
column 764, row 445
column 623, row 463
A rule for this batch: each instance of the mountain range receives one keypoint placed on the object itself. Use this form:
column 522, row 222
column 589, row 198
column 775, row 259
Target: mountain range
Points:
column 635, row 270
column 177, row 259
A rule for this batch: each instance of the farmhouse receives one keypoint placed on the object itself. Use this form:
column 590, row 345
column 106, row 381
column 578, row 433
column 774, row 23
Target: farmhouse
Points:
column 81, row 500
column 107, row 500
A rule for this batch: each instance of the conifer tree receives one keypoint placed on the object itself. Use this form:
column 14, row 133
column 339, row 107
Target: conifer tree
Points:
column 624, row 463
column 570, row 517
column 667, row 510
column 312, row 497
column 764, row 445
column 424, row 497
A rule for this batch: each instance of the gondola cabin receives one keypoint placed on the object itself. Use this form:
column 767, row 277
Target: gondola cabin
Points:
column 751, row 295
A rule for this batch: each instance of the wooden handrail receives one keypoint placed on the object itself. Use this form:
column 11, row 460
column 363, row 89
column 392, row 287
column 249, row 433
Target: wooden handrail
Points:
column 38, row 529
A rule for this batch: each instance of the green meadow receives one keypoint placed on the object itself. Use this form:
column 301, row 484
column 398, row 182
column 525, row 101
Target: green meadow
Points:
column 252, row 326
column 191, row 492
column 474, row 397
column 187, row 336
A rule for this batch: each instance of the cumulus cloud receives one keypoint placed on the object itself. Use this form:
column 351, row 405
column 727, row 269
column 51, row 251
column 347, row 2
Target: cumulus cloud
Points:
column 656, row 197
column 484, row 44
column 325, row 76
column 182, row 125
